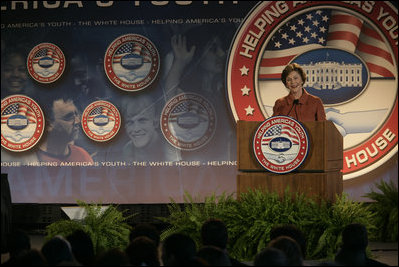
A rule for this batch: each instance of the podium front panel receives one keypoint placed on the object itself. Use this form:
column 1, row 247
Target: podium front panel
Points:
column 318, row 185
column 325, row 147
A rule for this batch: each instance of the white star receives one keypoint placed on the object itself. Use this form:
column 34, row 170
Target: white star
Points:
column 325, row 18
column 321, row 40
column 314, row 35
column 293, row 28
column 249, row 110
column 315, row 23
column 278, row 45
column 305, row 40
column 284, row 36
column 245, row 90
column 244, row 70
column 323, row 29
column 307, row 29
column 291, row 41
column 301, row 22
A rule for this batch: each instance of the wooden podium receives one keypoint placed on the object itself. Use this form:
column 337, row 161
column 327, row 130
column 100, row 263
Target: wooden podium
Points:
column 319, row 175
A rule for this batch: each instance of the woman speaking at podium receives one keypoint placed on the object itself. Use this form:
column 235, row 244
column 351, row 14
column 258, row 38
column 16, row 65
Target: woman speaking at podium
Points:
column 298, row 104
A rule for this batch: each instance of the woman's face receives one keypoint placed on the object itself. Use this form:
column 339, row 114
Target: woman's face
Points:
column 294, row 82
column 14, row 75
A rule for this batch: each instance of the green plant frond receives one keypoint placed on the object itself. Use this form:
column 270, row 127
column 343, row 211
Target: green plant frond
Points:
column 63, row 228
column 106, row 228
column 250, row 219
column 385, row 206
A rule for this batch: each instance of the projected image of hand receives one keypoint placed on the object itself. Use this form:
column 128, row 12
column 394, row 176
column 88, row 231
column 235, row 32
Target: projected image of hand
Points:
column 356, row 121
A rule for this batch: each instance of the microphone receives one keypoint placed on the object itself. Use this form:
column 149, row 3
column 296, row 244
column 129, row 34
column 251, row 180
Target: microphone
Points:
column 296, row 101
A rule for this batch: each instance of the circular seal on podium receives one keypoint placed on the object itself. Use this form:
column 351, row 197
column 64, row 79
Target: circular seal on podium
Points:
column 280, row 144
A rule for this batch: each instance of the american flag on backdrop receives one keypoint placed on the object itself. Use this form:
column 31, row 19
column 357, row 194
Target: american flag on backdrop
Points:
column 188, row 106
column 45, row 53
column 279, row 130
column 131, row 48
column 101, row 111
column 18, row 109
column 320, row 28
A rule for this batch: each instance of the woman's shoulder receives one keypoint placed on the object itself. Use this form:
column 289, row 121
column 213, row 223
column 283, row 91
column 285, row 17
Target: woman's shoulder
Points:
column 282, row 99
column 313, row 98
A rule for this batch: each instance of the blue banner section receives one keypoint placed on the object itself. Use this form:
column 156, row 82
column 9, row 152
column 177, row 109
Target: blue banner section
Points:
column 132, row 95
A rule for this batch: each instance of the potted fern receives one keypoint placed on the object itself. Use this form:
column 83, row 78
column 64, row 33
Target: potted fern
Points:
column 250, row 220
column 106, row 227
column 385, row 205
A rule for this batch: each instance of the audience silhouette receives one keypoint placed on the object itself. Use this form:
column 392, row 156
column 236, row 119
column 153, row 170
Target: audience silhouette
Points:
column 145, row 229
column 354, row 244
column 143, row 251
column 292, row 231
column 82, row 247
column 271, row 257
column 214, row 233
column 18, row 242
column 31, row 257
column 112, row 257
column 57, row 251
column 178, row 250
column 291, row 249
column 214, row 256
column 286, row 248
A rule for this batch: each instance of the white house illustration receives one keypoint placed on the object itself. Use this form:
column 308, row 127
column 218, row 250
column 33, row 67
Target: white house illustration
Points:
column 333, row 75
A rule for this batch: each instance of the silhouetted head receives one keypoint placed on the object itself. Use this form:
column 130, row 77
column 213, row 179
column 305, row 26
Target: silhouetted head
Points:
column 178, row 249
column 271, row 257
column 214, row 233
column 291, row 249
column 292, row 231
column 354, row 236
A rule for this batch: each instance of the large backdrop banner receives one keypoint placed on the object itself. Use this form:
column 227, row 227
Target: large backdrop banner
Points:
column 137, row 101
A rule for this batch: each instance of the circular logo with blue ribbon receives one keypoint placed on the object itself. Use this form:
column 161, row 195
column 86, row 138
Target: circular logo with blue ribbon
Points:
column 46, row 63
column 188, row 121
column 281, row 144
column 131, row 62
column 101, row 121
column 22, row 123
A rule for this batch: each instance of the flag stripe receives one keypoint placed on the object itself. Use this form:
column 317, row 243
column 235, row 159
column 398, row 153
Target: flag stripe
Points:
column 342, row 18
column 344, row 31
column 378, row 61
column 377, row 69
column 372, row 33
column 376, row 51
column 272, row 76
column 344, row 28
column 343, row 36
column 289, row 134
column 275, row 62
